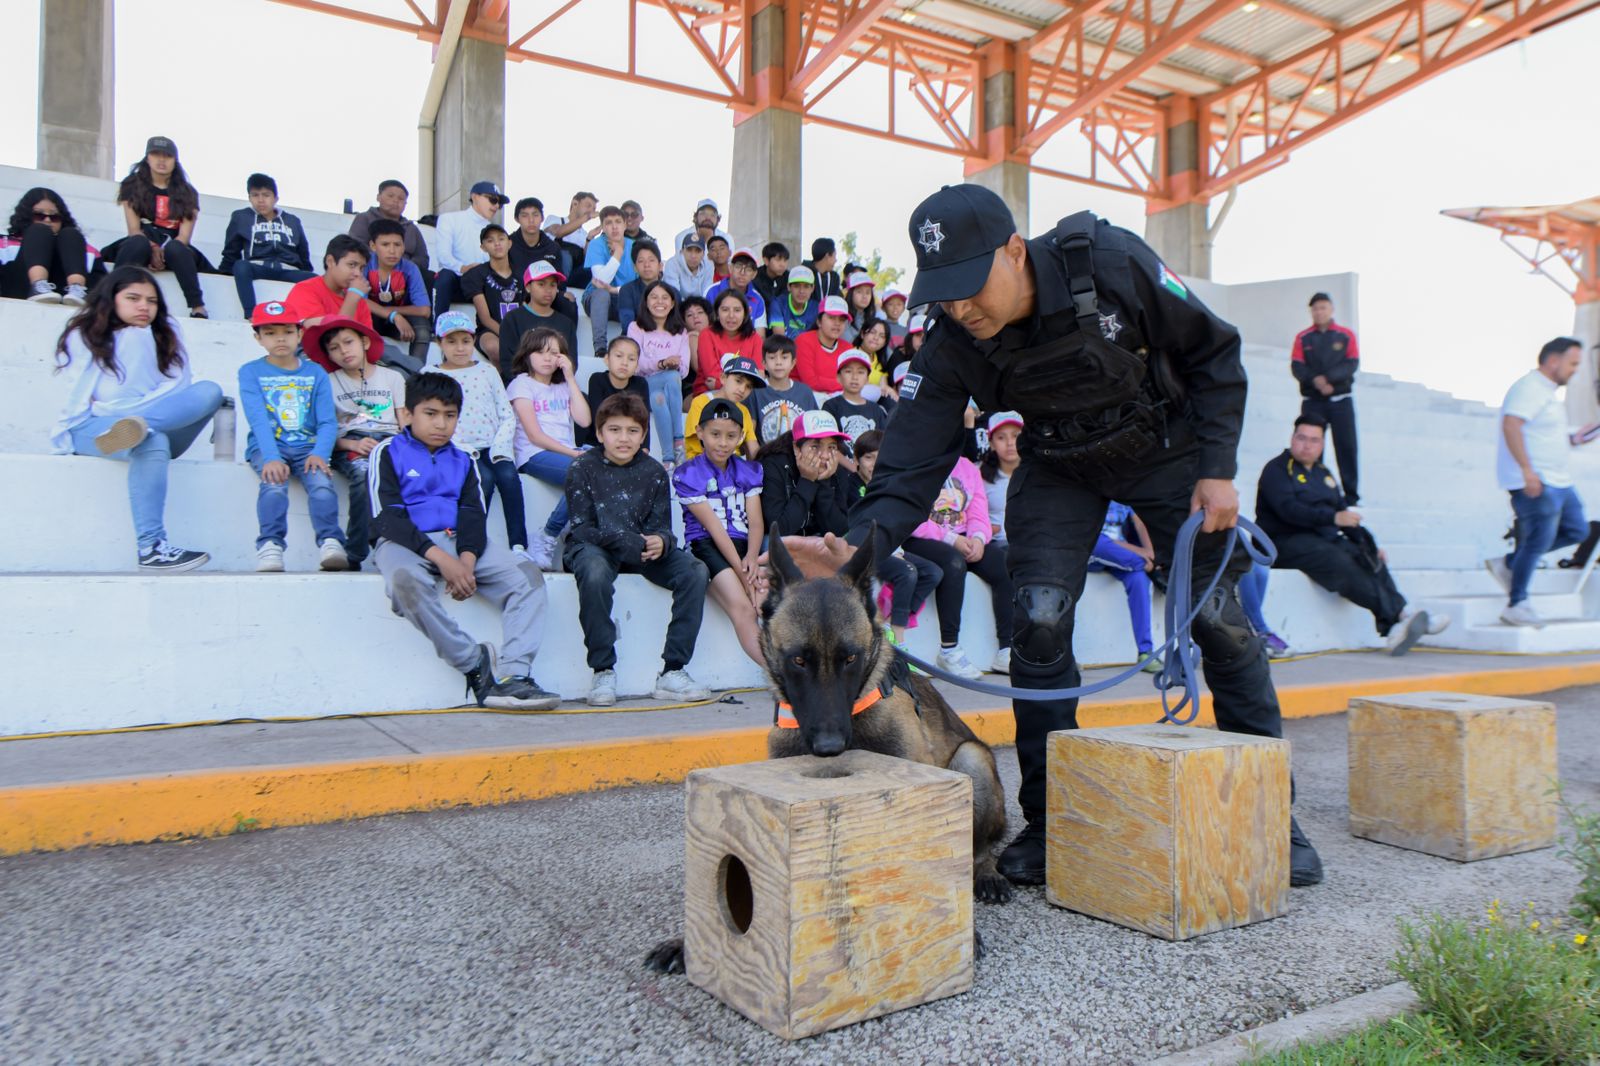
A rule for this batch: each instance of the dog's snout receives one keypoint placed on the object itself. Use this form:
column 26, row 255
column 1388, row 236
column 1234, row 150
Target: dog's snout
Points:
column 828, row 744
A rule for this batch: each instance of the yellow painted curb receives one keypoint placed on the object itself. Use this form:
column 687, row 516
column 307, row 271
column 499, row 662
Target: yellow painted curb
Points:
column 218, row 802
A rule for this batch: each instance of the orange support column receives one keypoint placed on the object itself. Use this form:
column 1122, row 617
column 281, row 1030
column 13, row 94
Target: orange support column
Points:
column 999, row 169
column 766, row 187
column 1176, row 226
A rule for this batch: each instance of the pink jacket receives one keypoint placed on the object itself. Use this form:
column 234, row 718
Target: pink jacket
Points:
column 657, row 345
column 962, row 508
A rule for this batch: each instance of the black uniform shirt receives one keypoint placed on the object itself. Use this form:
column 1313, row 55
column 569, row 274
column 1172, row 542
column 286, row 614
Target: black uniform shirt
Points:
column 1291, row 498
column 1142, row 305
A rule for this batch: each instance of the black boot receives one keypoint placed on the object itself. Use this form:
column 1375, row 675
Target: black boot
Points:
column 1305, row 865
column 480, row 679
column 1022, row 862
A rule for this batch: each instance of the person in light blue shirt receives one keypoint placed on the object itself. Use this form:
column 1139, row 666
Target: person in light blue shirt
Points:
column 609, row 260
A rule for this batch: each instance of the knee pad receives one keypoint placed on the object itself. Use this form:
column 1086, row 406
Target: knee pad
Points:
column 1222, row 630
column 1041, row 625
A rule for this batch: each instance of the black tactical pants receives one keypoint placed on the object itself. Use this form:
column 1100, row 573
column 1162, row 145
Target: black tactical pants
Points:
column 1340, row 414
column 1337, row 566
column 1051, row 546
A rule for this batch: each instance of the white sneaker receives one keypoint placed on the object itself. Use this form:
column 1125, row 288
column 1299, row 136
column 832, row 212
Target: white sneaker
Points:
column 1002, row 662
column 44, row 293
column 75, row 296
column 1437, row 624
column 1411, row 627
column 603, row 690
column 1499, row 571
column 333, row 555
column 543, row 551
column 1520, row 614
column 956, row 662
column 269, row 559
column 678, row 685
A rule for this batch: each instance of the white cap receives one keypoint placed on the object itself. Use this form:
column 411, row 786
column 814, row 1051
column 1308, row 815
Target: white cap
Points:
column 853, row 355
column 801, row 275
column 1004, row 418
column 858, row 279
column 834, row 305
column 919, row 324
column 708, row 202
column 891, row 292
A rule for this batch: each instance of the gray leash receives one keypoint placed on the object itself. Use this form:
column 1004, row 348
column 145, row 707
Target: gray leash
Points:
column 1181, row 664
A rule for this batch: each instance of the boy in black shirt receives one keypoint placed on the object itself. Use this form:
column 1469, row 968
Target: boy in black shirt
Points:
column 540, row 286
column 494, row 289
column 620, row 506
column 854, row 414
column 620, row 375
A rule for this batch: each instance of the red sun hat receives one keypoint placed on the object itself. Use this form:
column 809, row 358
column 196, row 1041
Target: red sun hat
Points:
column 312, row 340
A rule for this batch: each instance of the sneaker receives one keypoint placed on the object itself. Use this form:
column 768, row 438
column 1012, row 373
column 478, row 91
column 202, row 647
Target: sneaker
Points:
column 678, row 685
column 1002, row 662
column 519, row 693
column 956, row 662
column 1499, row 571
column 889, row 638
column 480, row 679
column 1151, row 666
column 603, row 690
column 124, row 433
column 333, row 556
column 163, row 558
column 1277, row 647
column 543, row 551
column 44, row 293
column 1437, row 623
column 1520, row 614
column 269, row 559
column 76, row 296
column 1411, row 627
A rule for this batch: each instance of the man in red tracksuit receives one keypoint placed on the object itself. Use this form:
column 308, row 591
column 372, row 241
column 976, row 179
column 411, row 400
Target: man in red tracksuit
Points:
column 1324, row 359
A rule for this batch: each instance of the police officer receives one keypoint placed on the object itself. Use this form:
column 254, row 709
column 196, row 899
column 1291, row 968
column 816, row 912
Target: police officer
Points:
column 1130, row 389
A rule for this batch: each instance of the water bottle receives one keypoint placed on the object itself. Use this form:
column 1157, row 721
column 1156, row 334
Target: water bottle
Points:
column 222, row 429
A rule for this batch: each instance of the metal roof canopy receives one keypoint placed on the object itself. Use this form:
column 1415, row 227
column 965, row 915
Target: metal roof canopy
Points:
column 1559, row 241
column 1257, row 77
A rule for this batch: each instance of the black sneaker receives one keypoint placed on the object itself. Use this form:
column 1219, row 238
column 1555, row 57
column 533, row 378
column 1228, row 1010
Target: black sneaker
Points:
column 163, row 558
column 520, row 693
column 480, row 679
column 1305, row 865
column 1022, row 862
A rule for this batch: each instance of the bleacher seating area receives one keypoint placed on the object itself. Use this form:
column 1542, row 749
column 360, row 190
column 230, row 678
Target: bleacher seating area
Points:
column 94, row 644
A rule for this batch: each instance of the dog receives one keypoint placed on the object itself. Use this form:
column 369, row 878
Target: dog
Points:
column 826, row 654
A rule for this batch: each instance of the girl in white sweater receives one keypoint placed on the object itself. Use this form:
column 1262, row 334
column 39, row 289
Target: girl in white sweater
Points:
column 488, row 425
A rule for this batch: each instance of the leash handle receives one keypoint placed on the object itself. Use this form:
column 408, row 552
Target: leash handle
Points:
column 1181, row 665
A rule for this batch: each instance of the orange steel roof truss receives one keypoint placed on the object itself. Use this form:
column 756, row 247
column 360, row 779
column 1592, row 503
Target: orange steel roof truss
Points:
column 1561, row 242
column 1258, row 77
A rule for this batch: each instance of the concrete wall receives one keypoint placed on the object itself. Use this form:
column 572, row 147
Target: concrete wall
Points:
column 76, row 86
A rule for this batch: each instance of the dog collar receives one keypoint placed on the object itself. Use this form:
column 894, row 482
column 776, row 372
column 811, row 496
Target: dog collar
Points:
column 785, row 718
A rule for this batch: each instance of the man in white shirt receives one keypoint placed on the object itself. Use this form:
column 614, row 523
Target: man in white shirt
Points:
column 460, row 244
column 574, row 237
column 707, row 223
column 1531, row 464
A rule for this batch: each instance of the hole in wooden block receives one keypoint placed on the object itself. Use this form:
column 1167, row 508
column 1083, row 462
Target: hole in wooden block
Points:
column 826, row 772
column 738, row 899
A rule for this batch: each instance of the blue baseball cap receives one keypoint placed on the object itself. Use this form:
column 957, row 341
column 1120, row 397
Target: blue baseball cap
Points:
column 489, row 188
column 453, row 322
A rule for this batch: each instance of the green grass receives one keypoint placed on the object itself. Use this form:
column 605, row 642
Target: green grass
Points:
column 1409, row 1040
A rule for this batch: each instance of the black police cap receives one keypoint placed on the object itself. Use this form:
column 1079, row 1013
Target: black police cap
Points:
column 955, row 232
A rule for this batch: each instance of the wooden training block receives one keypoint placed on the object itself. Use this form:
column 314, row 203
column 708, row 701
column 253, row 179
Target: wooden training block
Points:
column 1173, row 831
column 821, row 892
column 1455, row 775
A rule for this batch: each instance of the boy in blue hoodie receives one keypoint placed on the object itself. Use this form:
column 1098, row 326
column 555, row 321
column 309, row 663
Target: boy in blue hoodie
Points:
column 289, row 405
column 263, row 242
column 428, row 523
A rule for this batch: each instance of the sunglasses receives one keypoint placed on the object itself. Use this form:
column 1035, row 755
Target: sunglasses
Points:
column 46, row 216
column 633, row 214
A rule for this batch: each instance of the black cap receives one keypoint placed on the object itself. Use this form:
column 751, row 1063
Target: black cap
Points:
column 1316, row 296
column 163, row 145
column 955, row 232
column 720, row 407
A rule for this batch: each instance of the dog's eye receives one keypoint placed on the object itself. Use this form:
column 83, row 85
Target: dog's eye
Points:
column 798, row 661
column 848, row 659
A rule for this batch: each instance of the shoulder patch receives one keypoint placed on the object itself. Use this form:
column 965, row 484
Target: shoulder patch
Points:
column 909, row 387
column 1171, row 282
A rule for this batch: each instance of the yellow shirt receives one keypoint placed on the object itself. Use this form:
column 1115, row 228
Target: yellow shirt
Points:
column 691, row 422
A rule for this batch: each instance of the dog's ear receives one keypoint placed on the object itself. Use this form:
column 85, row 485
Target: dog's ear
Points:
column 858, row 571
column 781, row 569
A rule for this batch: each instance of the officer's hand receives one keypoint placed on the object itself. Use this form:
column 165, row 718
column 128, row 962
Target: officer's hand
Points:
column 1532, row 487
column 1220, row 501
column 1346, row 519
column 815, row 556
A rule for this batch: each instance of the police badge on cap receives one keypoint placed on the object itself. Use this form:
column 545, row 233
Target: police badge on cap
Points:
column 955, row 232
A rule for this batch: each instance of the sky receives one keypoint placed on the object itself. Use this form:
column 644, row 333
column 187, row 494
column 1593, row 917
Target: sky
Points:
column 329, row 108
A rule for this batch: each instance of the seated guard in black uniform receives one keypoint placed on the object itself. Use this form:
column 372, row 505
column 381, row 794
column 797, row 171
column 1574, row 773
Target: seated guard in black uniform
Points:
column 1130, row 389
column 1299, row 505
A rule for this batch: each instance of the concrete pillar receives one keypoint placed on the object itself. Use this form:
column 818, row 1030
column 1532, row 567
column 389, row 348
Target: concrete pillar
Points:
column 1583, row 406
column 767, row 157
column 1178, row 232
column 76, row 87
column 996, row 169
column 470, row 131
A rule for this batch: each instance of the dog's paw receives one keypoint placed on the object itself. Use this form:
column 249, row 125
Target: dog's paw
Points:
column 991, row 888
column 666, row 957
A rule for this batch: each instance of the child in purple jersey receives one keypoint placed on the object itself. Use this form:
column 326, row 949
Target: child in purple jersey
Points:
column 721, row 498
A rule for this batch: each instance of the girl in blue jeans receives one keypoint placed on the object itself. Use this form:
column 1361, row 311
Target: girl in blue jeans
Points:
column 547, row 401
column 132, row 400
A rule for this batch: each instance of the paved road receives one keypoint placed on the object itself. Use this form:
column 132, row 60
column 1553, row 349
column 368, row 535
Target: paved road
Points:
column 515, row 934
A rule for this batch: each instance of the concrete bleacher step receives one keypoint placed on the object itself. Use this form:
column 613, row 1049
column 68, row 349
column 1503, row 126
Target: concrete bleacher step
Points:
column 1556, row 636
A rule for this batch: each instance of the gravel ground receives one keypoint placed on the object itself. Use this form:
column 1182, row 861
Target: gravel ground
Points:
column 515, row 934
